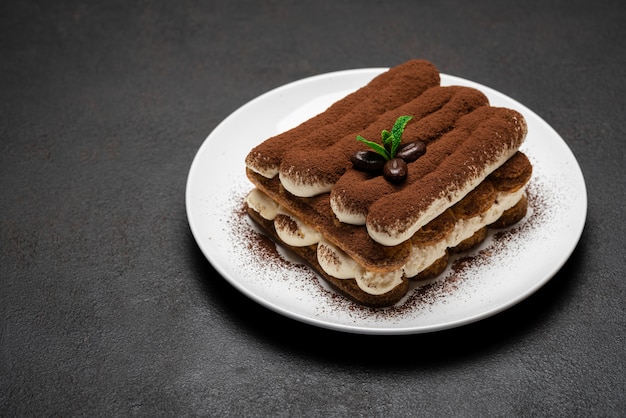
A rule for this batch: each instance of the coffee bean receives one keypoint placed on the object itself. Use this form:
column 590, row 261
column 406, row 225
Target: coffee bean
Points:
column 369, row 161
column 411, row 151
column 395, row 170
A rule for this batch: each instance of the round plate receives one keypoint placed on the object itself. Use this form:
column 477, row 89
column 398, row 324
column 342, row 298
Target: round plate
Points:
column 508, row 267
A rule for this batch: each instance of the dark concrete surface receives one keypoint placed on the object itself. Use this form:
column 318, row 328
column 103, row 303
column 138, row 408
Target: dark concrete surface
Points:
column 107, row 306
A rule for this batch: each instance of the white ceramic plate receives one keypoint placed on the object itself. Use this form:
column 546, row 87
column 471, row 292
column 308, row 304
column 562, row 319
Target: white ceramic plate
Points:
column 506, row 269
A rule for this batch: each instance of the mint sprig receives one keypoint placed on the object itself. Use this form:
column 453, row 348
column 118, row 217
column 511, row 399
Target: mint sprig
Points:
column 390, row 140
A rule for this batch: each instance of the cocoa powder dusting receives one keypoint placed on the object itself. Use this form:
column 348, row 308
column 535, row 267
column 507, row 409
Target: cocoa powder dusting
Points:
column 287, row 223
column 348, row 115
column 260, row 249
column 422, row 296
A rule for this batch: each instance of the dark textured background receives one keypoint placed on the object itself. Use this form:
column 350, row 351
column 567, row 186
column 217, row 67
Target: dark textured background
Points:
column 108, row 308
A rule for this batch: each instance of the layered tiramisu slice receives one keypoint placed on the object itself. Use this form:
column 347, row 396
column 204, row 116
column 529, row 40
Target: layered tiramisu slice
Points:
column 380, row 188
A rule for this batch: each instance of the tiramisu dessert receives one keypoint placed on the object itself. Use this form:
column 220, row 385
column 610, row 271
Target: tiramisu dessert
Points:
column 385, row 184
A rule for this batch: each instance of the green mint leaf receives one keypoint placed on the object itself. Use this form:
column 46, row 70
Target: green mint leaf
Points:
column 396, row 133
column 376, row 147
column 386, row 136
column 391, row 140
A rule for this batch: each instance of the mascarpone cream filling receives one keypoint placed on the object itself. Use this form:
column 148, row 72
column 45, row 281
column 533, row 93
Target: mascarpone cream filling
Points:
column 267, row 172
column 289, row 228
column 335, row 262
column 297, row 185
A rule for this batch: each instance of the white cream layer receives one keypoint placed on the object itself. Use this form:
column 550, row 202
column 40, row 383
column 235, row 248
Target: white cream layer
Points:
column 302, row 187
column 335, row 262
column 267, row 172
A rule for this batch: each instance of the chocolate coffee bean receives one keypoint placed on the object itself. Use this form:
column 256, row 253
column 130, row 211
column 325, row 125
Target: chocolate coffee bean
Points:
column 368, row 161
column 395, row 170
column 411, row 151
